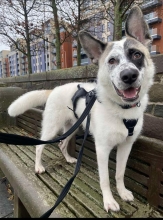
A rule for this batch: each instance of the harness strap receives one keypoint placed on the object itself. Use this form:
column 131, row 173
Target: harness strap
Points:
column 80, row 93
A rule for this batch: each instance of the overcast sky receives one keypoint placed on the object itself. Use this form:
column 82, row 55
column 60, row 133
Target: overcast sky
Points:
column 4, row 47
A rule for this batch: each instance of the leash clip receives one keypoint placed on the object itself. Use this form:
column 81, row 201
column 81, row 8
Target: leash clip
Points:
column 138, row 104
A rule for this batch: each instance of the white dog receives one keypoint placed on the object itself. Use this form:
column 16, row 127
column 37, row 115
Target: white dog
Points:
column 124, row 77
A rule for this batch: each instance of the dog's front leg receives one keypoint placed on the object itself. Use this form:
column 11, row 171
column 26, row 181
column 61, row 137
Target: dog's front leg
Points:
column 102, row 159
column 123, row 152
column 39, row 168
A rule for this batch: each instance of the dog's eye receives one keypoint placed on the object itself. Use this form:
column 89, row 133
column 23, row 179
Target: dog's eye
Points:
column 112, row 61
column 137, row 55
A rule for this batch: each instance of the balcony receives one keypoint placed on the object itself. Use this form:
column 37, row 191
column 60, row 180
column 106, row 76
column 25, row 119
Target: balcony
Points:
column 152, row 18
column 46, row 43
column 74, row 44
column 54, row 68
column 84, row 61
column 123, row 25
column 54, row 51
column 154, row 50
column 74, row 53
column 54, row 59
column 150, row 3
column 53, row 42
column 75, row 63
column 82, row 51
column 155, row 34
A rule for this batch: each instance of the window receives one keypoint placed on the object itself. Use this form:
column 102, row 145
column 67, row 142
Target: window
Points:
column 108, row 26
column 103, row 39
column 109, row 38
column 96, row 30
column 103, row 28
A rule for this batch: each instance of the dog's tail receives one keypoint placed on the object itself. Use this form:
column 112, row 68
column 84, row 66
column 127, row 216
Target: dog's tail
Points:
column 28, row 100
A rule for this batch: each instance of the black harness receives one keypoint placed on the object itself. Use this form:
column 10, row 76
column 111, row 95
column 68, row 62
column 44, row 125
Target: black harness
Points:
column 82, row 93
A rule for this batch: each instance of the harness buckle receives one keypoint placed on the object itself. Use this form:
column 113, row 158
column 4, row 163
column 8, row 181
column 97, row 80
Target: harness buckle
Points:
column 130, row 125
column 138, row 104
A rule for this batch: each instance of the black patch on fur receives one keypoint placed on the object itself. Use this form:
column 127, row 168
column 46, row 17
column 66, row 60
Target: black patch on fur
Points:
column 130, row 48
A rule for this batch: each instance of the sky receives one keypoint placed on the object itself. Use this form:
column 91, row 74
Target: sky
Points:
column 4, row 47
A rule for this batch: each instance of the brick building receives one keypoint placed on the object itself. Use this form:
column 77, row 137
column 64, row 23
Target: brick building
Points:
column 4, row 63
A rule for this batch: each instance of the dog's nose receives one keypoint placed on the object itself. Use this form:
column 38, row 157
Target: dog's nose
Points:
column 129, row 76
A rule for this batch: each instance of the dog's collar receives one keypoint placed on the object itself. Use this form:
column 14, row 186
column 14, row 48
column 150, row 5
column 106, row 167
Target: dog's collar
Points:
column 138, row 104
column 131, row 123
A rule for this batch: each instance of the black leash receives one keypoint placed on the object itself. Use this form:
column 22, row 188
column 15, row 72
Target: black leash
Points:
column 69, row 183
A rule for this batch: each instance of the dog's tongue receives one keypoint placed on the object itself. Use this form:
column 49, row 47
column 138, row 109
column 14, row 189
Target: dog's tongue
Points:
column 130, row 93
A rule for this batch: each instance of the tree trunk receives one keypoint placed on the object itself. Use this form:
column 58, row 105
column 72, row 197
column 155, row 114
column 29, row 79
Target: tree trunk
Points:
column 29, row 60
column 28, row 44
column 78, row 41
column 78, row 52
column 117, row 21
column 57, row 31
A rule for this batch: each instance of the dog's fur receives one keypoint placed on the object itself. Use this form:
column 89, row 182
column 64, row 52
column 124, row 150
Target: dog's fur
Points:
column 124, row 77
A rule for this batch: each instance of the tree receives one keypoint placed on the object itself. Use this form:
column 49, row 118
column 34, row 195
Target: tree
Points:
column 57, row 33
column 77, row 15
column 18, row 19
column 50, row 6
column 116, row 13
column 84, row 14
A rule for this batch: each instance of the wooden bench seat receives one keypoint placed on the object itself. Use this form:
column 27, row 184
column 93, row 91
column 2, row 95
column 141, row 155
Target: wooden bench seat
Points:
column 35, row 194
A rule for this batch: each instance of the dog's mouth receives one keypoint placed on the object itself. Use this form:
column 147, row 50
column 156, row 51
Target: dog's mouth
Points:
column 130, row 94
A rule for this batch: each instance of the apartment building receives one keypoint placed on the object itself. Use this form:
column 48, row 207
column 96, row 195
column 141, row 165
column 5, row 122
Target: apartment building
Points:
column 4, row 64
column 153, row 14
column 97, row 26
column 44, row 50
column 18, row 64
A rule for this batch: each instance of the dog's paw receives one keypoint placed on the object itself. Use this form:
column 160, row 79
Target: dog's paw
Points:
column 71, row 160
column 111, row 204
column 126, row 195
column 39, row 169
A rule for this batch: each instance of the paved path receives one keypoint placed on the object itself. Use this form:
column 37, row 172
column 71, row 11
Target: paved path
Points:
column 6, row 206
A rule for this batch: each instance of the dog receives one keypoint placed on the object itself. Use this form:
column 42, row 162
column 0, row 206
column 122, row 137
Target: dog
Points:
column 125, row 75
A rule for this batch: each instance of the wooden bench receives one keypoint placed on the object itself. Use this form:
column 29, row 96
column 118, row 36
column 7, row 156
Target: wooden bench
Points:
column 35, row 194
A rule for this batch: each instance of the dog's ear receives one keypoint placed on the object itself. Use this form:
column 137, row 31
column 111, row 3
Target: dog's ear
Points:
column 92, row 46
column 137, row 27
